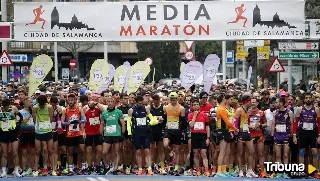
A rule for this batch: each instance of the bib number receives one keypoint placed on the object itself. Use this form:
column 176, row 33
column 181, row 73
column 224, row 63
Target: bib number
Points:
column 94, row 121
column 281, row 128
column 30, row 122
column 72, row 129
column 307, row 126
column 6, row 125
column 198, row 126
column 111, row 129
column 44, row 125
column 173, row 125
column 125, row 117
column 245, row 127
column 141, row 121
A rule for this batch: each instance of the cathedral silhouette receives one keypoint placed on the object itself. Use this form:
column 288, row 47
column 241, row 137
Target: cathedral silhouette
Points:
column 276, row 22
column 74, row 24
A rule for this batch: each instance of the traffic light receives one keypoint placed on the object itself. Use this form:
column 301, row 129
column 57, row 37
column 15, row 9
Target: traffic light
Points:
column 252, row 56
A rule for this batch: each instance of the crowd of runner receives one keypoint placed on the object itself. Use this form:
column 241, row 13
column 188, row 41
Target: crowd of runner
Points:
column 227, row 132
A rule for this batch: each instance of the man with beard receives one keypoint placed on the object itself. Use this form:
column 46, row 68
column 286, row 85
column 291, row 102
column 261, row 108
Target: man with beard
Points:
column 307, row 120
column 268, row 142
column 265, row 101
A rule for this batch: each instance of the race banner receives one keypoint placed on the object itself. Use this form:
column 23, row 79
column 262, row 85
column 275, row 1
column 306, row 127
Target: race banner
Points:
column 99, row 70
column 107, row 79
column 210, row 69
column 191, row 72
column 40, row 68
column 120, row 77
column 137, row 73
column 158, row 21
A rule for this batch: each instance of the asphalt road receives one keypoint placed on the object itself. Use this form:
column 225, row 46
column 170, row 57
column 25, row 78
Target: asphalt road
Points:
column 136, row 178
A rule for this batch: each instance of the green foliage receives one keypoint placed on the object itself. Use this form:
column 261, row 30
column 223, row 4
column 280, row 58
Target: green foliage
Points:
column 165, row 55
column 312, row 9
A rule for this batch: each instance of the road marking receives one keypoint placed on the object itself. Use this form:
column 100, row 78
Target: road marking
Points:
column 178, row 180
column 102, row 179
column 91, row 179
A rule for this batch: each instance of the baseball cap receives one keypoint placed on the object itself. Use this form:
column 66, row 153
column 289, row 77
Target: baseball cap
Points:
column 38, row 92
column 173, row 95
column 203, row 95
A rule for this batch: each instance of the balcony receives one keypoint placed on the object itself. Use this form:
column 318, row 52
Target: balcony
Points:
column 17, row 46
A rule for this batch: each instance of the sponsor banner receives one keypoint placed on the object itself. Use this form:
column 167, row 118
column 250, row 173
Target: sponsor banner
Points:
column 210, row 68
column 152, row 21
column 120, row 77
column 107, row 79
column 98, row 72
column 136, row 75
column 39, row 69
column 190, row 74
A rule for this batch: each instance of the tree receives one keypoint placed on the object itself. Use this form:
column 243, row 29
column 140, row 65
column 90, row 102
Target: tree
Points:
column 165, row 55
column 312, row 9
column 75, row 48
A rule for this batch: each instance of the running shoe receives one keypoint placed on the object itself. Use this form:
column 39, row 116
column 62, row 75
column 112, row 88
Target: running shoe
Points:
column 70, row 173
column 140, row 172
column 128, row 171
column 198, row 173
column 251, row 174
column 163, row 171
column 44, row 172
column 3, row 175
column 150, row 173
column 54, row 173
column 207, row 174
column 35, row 173
column 241, row 174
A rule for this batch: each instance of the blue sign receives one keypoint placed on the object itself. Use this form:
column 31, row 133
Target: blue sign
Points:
column 230, row 56
column 18, row 57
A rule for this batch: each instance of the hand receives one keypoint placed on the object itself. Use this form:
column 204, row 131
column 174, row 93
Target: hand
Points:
column 196, row 113
column 231, row 135
column 207, row 142
column 295, row 141
column 318, row 139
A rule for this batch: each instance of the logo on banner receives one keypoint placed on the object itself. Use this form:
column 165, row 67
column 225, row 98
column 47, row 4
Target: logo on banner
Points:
column 278, row 25
column 74, row 25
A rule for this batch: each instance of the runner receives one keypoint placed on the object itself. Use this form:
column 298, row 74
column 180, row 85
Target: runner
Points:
column 257, row 122
column 281, row 130
column 173, row 132
column 27, row 137
column 156, row 109
column 42, row 113
column 242, row 121
column 200, row 136
column 112, row 127
column 9, row 137
column 139, row 127
column 74, row 122
column 307, row 119
column 225, row 128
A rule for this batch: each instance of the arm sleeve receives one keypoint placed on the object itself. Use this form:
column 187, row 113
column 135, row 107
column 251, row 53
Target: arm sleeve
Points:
column 153, row 120
column 225, row 118
column 295, row 125
column 129, row 122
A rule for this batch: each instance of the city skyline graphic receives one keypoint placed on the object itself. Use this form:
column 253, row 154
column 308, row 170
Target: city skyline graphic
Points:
column 276, row 21
column 74, row 24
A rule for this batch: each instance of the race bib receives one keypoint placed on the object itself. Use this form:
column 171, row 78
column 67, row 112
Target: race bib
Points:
column 281, row 128
column 94, row 121
column 173, row 125
column 44, row 125
column 125, row 117
column 307, row 126
column 141, row 121
column 6, row 125
column 198, row 126
column 71, row 128
column 30, row 122
column 54, row 125
column 245, row 127
column 111, row 129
